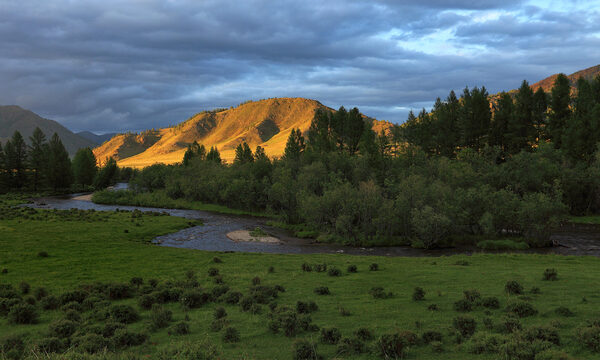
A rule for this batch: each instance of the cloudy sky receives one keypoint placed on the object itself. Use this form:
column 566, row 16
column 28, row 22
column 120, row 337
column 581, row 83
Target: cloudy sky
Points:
column 129, row 65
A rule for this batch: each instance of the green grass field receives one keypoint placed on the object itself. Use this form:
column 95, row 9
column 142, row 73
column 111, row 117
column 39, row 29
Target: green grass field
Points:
column 111, row 247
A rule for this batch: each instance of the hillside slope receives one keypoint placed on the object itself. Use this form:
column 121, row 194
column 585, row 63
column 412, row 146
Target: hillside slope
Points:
column 13, row 118
column 96, row 139
column 267, row 123
column 588, row 74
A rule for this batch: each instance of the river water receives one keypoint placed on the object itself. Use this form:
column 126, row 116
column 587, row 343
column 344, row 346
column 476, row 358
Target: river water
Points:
column 212, row 236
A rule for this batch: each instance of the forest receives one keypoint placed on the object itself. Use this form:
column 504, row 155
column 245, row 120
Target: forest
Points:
column 512, row 165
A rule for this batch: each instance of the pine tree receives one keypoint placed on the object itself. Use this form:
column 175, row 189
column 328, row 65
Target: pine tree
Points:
column 259, row 154
column 84, row 167
column 560, row 111
column 475, row 118
column 582, row 132
column 3, row 171
column 214, row 155
column 59, row 171
column 503, row 116
column 540, row 108
column 521, row 129
column 194, row 151
column 355, row 126
column 320, row 133
column 243, row 154
column 16, row 158
column 338, row 126
column 294, row 146
column 106, row 176
column 38, row 156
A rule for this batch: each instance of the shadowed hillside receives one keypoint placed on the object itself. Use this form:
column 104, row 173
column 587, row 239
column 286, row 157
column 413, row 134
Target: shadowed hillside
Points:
column 587, row 74
column 267, row 123
column 13, row 118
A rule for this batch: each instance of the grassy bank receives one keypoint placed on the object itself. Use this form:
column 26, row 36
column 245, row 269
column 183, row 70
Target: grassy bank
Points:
column 159, row 199
column 88, row 247
column 589, row 219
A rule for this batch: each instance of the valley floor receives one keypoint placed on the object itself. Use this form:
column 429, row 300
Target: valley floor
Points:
column 85, row 247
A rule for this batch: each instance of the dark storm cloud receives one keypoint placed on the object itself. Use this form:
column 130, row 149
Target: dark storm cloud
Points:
column 113, row 65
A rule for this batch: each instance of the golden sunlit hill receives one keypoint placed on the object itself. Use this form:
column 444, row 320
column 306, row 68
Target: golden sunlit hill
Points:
column 267, row 123
column 14, row 118
column 588, row 74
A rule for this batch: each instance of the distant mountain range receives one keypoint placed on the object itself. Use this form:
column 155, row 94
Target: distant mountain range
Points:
column 96, row 139
column 14, row 118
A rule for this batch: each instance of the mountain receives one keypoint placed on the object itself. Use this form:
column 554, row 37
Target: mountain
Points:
column 96, row 139
column 13, row 118
column 588, row 74
column 267, row 123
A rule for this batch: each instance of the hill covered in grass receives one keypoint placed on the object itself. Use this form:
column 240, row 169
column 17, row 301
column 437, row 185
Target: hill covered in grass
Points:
column 267, row 123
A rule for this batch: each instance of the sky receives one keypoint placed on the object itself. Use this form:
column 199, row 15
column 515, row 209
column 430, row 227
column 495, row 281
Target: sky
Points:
column 131, row 65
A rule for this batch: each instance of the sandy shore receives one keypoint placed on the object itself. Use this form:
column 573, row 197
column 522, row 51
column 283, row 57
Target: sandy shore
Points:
column 87, row 197
column 244, row 235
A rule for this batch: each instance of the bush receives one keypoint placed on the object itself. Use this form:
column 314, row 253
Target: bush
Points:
column 472, row 295
column 350, row 346
column 153, row 282
column 564, row 311
column 217, row 260
column 542, row 333
column 119, row 291
column 22, row 314
column 12, row 346
column 70, row 296
column 344, row 311
column 437, row 346
column 181, row 328
column 320, row 267
column 42, row 254
column 418, row 294
column 72, row 306
column 123, row 338
column 306, row 307
column 463, row 305
column 146, row 301
column 91, row 343
column 589, row 337
column 160, row 317
column 73, row 315
column 218, row 325
column 521, row 309
column 550, row 275
column 192, row 299
column 322, row 290
column 271, row 270
column 535, row 290
column 50, row 302
column 352, row 268
column 330, row 335
column 509, row 324
column 491, row 302
column 306, row 267
column 431, row 336
column 379, row 293
column 305, row 350
column 123, row 313
column 391, row 346
column 465, row 325
column 513, row 288
column 219, row 291
column 40, row 293
column 374, row 267
column 219, row 313
column 433, row 307
column 136, row 281
column 50, row 345
column 552, row 354
column 110, row 327
column 231, row 335
column 482, row 343
column 363, row 334
column 233, row 297
column 24, row 287
column 213, row 272
column 333, row 271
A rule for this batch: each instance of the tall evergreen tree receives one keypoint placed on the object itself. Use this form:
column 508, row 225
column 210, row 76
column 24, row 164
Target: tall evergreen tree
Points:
column 3, row 171
column 38, row 156
column 259, row 154
column 243, row 154
column 59, row 171
column 214, row 155
column 320, row 133
column 475, row 117
column 503, row 116
column 521, row 129
column 540, row 108
column 447, row 134
column 84, row 167
column 338, row 126
column 194, row 151
column 355, row 126
column 16, row 159
column 294, row 146
column 560, row 109
column 107, row 174
column 582, row 132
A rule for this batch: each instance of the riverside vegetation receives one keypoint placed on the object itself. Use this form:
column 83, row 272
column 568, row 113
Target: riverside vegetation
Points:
column 77, row 285
column 504, row 169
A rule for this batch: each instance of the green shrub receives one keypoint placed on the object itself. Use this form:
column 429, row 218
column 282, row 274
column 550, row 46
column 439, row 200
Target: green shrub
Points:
column 72, row 306
column 465, row 325
column 123, row 313
column 364, row 334
column 322, row 290
column 146, row 301
column 333, row 271
column 219, row 313
column 136, row 281
column 42, row 254
column 437, row 346
column 40, row 293
column 256, row 281
column 431, row 336
column 91, row 343
column 564, row 311
column 124, row 338
column 521, row 309
column 24, row 287
column 70, row 296
column 110, row 327
column 463, row 305
column 330, row 335
column 535, row 290
column 352, row 268
column 119, row 291
column 231, row 335
column 491, row 302
column 193, row 298
column 373, row 267
column 218, row 324
column 160, row 317
column 513, row 288
column 73, row 315
column 233, row 297
column 552, row 354
column 22, row 314
column 433, row 307
column 350, row 346
column 306, row 267
column 12, row 346
column 306, row 307
column 543, row 333
column 482, row 343
column 50, row 302
column 50, row 345
column 7, row 304
column 509, row 324
column 181, row 328
column 418, row 294
column 379, row 293
column 472, row 295
column 391, row 346
column 344, row 312
column 213, row 271
column 217, row 260
column 320, row 267
column 305, row 350
column 550, row 275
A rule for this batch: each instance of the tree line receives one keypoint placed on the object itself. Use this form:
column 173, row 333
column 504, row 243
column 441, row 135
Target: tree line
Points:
column 45, row 164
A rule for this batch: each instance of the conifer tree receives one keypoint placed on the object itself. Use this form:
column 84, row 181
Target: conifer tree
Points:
column 294, row 146
column 503, row 116
column 15, row 152
column 243, row 154
column 521, row 130
column 214, row 155
column 106, row 176
column 84, row 167
column 540, row 107
column 259, row 154
column 38, row 156
column 560, row 112
column 59, row 171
